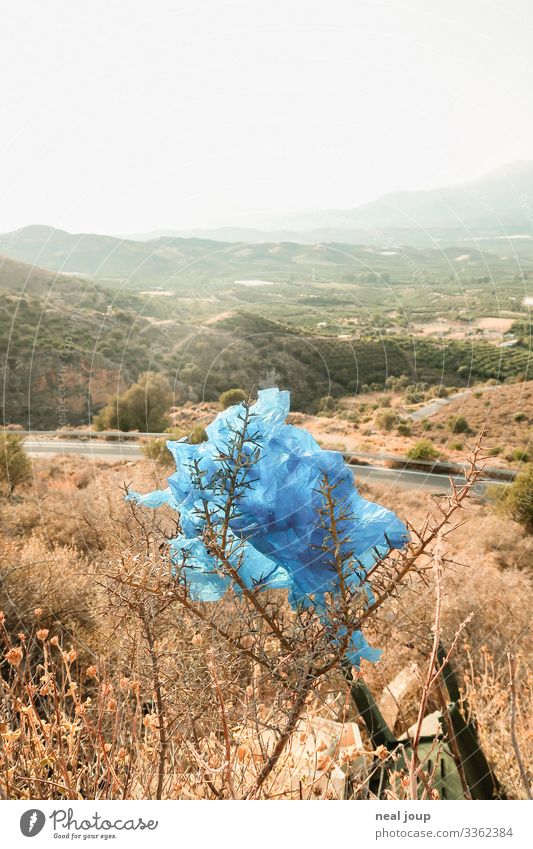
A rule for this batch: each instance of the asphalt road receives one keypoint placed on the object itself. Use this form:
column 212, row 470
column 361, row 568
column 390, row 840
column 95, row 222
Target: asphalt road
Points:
column 113, row 451
column 88, row 448
column 433, row 407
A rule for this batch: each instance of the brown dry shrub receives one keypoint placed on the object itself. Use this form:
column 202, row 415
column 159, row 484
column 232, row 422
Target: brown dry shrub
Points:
column 79, row 534
column 83, row 507
column 490, row 580
column 488, row 693
column 56, row 580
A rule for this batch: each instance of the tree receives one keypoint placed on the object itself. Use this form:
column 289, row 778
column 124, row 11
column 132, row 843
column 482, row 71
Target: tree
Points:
column 141, row 407
column 15, row 465
column 518, row 500
column 308, row 626
column 231, row 397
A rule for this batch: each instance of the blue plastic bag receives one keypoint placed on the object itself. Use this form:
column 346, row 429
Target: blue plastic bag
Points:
column 277, row 537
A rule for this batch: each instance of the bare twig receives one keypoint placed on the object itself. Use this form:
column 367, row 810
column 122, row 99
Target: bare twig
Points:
column 512, row 719
column 414, row 762
column 225, row 728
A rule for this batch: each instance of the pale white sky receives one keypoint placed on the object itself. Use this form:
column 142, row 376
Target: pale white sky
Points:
column 124, row 117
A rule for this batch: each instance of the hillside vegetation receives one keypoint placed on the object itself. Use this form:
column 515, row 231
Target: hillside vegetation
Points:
column 323, row 320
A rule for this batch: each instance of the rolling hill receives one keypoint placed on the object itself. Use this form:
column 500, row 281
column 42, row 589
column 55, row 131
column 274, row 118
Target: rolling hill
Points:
column 190, row 266
column 82, row 316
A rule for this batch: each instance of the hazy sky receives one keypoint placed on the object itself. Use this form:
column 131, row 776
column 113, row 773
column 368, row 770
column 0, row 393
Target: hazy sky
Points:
column 126, row 116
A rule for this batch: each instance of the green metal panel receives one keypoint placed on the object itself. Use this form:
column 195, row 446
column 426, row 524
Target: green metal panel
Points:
column 434, row 753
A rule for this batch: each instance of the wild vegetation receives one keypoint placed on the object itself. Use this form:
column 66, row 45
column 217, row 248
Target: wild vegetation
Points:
column 518, row 500
column 328, row 320
column 115, row 684
column 143, row 407
column 15, row 465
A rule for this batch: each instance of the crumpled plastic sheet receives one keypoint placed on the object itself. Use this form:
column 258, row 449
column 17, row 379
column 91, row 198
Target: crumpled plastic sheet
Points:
column 277, row 530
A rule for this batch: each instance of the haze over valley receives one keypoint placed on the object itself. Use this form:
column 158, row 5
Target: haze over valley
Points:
column 431, row 302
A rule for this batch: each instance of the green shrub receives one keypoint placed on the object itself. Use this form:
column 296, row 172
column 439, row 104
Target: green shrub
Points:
column 404, row 429
column 518, row 500
column 197, row 435
column 414, row 395
column 395, row 384
column 519, row 417
column 15, row 465
column 327, row 404
column 439, row 391
column 385, row 420
column 156, row 450
column 458, row 425
column 456, row 446
column 423, row 450
column 519, row 455
column 346, row 416
column 231, row 397
column 142, row 407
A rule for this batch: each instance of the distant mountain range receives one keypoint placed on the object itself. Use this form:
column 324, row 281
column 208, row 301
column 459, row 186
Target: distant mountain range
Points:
column 478, row 215
column 501, row 198
column 498, row 204
column 85, row 314
column 166, row 262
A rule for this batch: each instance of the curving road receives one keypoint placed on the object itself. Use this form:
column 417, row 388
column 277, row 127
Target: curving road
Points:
column 116, row 451
column 85, row 447
column 437, row 404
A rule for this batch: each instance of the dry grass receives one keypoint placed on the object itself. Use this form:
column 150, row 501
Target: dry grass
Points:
column 86, row 657
column 502, row 412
